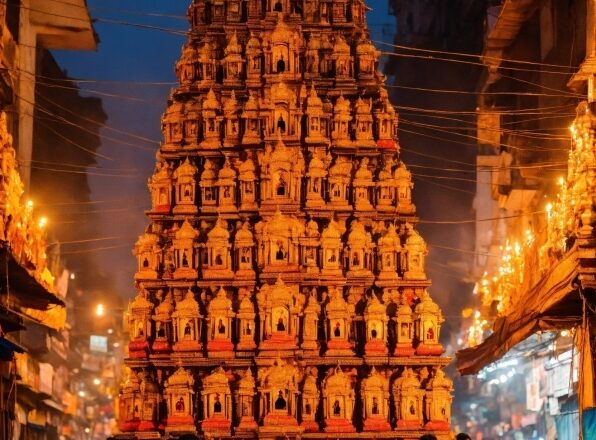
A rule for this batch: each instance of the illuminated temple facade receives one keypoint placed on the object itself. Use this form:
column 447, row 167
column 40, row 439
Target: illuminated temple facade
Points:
column 281, row 281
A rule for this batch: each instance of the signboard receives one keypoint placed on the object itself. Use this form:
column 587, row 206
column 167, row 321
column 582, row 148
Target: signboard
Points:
column 98, row 343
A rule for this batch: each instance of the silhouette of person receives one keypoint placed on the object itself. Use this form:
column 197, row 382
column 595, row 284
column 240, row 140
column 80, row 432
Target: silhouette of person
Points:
column 337, row 330
column 221, row 328
column 187, row 329
column 184, row 260
column 375, row 406
column 412, row 408
column 280, row 325
column 280, row 402
column 217, row 405
column 281, row 67
column 430, row 333
column 280, row 254
column 180, row 405
column 336, row 408
column 281, row 188
column 373, row 333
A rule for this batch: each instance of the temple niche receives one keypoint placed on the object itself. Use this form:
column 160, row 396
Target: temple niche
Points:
column 331, row 248
column 309, row 248
column 339, row 324
column 233, row 62
column 185, row 252
column 438, row 401
column 414, row 255
column 218, row 263
column 148, row 252
column 162, row 318
column 428, row 320
column 212, row 119
column 129, row 403
column 310, row 323
column 310, row 402
column 245, row 403
column 408, row 399
column 375, row 318
column 386, row 188
column 338, row 402
column 246, row 325
column 171, row 126
column 247, row 180
column 404, row 329
column 220, row 318
column 282, row 259
column 375, row 398
column 160, row 185
column 217, row 404
column 279, row 397
column 179, row 395
column 316, row 180
column 208, row 187
column 278, row 243
column 139, row 325
column 149, row 397
column 185, row 180
column 226, row 188
column 279, row 317
column 388, row 254
column 186, row 320
column 358, row 252
column 244, row 245
column 403, row 182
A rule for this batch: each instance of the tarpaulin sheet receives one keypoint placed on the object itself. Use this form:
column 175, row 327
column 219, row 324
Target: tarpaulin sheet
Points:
column 589, row 423
column 548, row 305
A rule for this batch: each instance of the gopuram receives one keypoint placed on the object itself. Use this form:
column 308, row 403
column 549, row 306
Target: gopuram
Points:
column 281, row 281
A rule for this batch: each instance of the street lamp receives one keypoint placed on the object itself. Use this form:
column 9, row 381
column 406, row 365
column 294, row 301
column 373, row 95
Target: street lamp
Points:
column 100, row 310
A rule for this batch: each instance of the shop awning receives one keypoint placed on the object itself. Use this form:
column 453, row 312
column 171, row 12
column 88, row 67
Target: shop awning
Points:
column 24, row 288
column 8, row 349
column 553, row 303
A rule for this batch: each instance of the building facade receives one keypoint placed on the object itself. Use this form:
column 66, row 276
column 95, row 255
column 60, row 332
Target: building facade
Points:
column 281, row 280
column 38, row 391
column 529, row 203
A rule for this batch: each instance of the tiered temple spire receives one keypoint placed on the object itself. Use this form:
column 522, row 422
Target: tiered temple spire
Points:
column 281, row 281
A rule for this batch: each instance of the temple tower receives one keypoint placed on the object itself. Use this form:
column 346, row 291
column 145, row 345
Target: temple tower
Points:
column 282, row 287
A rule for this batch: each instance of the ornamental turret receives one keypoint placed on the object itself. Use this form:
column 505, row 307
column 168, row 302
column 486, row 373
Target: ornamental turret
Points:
column 185, row 177
column 217, row 404
column 233, row 62
column 219, row 326
column 139, row 325
column 162, row 317
column 212, row 118
column 160, row 185
column 338, row 401
column 187, row 323
column 179, row 396
column 375, row 400
column 219, row 261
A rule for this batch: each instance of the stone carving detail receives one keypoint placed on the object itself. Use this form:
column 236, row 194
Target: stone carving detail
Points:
column 282, row 245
